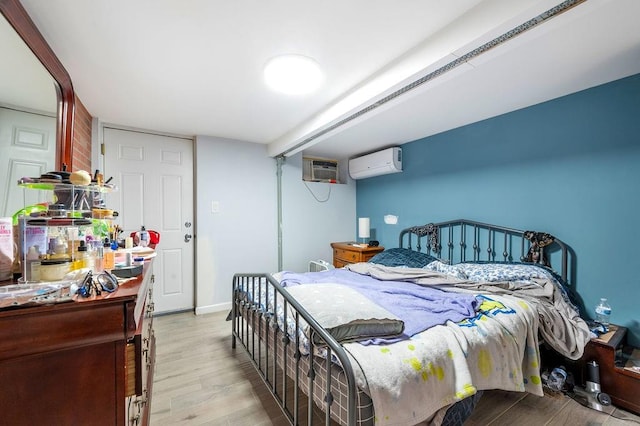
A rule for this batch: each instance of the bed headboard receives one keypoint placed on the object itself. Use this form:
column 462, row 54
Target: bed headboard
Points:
column 463, row 240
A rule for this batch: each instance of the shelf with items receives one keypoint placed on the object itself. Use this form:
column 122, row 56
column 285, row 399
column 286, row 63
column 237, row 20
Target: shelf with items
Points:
column 55, row 236
column 50, row 186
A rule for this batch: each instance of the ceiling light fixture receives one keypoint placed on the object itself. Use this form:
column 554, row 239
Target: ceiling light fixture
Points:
column 293, row 74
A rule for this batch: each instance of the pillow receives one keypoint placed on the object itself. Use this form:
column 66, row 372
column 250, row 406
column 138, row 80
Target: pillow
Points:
column 447, row 269
column 493, row 272
column 402, row 257
column 345, row 313
column 483, row 271
column 518, row 272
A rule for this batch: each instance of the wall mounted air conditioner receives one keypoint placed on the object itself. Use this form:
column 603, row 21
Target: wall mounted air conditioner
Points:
column 377, row 163
column 319, row 170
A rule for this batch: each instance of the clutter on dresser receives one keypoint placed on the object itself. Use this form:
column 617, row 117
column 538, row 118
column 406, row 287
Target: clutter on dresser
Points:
column 64, row 244
column 47, row 247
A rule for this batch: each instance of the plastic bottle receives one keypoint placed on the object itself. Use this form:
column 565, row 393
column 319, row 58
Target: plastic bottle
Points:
column 108, row 256
column 81, row 257
column 144, row 237
column 98, row 258
column 557, row 378
column 603, row 312
column 33, row 264
column 91, row 254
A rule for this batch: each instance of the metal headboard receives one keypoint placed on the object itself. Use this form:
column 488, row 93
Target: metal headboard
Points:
column 464, row 240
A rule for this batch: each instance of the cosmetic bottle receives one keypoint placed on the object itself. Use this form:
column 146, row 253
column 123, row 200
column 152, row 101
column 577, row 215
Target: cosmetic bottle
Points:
column 98, row 258
column 33, row 264
column 81, row 259
column 108, row 256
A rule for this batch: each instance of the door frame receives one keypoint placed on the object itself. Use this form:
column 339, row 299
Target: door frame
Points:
column 98, row 162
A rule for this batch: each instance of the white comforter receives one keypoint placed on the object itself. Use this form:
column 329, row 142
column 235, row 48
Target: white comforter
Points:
column 410, row 380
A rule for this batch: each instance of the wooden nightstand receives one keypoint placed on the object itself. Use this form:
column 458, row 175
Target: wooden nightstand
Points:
column 622, row 384
column 345, row 253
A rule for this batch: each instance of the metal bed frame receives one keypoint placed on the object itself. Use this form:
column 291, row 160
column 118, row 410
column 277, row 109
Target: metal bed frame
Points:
column 289, row 375
column 489, row 243
column 271, row 350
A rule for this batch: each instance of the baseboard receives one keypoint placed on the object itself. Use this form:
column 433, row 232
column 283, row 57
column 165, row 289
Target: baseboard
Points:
column 200, row 310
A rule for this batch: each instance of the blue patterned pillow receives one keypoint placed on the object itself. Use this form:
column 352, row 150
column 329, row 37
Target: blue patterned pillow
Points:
column 493, row 272
column 402, row 257
column 482, row 271
column 447, row 269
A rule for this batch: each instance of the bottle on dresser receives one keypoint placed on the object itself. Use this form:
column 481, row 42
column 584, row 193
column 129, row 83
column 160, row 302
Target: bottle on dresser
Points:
column 81, row 256
column 603, row 312
column 108, row 256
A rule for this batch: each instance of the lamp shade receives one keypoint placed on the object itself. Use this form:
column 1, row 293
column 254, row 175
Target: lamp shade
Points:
column 364, row 230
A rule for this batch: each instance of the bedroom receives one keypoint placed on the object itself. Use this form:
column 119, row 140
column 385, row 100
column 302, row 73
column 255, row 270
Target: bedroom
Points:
column 552, row 178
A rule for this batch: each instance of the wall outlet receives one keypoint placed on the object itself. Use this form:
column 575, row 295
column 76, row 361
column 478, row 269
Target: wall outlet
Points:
column 215, row 207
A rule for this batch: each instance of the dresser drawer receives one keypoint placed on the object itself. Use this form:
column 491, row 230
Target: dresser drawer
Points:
column 337, row 263
column 346, row 253
column 346, row 256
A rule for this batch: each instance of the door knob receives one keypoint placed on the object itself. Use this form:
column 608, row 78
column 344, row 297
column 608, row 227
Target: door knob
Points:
column 187, row 238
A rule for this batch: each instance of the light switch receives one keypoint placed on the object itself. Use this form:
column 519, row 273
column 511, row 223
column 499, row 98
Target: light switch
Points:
column 215, row 207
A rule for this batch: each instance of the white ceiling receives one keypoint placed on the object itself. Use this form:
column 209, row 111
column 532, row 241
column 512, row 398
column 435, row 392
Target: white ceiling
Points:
column 195, row 67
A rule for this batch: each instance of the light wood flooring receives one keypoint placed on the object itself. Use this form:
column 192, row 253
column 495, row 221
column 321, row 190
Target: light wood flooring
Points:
column 200, row 380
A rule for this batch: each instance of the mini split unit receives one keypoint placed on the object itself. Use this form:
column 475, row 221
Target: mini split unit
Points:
column 377, row 163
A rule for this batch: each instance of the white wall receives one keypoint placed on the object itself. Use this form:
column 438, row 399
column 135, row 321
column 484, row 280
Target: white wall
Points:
column 309, row 225
column 243, row 236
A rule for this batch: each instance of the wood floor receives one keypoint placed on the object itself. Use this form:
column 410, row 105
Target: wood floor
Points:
column 200, row 380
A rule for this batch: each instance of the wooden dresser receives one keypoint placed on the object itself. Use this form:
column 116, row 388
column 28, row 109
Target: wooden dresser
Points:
column 85, row 362
column 345, row 253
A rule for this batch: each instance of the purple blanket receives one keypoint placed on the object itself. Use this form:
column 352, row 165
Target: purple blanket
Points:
column 418, row 307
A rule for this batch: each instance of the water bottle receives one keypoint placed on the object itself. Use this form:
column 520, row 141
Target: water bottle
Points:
column 603, row 312
column 143, row 235
column 557, row 379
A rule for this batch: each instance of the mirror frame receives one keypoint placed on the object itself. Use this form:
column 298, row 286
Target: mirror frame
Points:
column 19, row 19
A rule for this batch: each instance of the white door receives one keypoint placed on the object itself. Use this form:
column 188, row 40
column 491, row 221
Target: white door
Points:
column 27, row 148
column 154, row 176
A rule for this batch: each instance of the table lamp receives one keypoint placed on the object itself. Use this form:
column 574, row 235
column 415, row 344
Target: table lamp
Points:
column 364, row 230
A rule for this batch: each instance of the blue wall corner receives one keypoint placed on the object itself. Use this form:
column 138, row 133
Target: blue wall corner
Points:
column 570, row 167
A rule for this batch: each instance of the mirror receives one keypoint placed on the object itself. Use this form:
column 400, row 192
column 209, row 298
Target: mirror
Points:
column 36, row 105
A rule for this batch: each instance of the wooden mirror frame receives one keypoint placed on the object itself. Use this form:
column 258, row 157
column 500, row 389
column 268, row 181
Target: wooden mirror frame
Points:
column 21, row 22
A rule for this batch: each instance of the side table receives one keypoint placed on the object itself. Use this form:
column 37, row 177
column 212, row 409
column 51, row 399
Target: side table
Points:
column 346, row 253
column 618, row 380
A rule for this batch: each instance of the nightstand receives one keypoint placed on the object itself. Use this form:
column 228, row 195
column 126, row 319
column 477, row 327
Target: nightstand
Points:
column 617, row 379
column 345, row 253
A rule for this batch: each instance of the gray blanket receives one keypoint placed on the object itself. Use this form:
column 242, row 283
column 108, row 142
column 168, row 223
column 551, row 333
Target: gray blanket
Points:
column 560, row 325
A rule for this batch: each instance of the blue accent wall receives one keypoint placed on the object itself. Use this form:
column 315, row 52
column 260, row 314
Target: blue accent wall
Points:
column 570, row 167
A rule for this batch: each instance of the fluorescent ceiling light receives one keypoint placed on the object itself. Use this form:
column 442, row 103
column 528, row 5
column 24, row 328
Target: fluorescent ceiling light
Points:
column 293, row 74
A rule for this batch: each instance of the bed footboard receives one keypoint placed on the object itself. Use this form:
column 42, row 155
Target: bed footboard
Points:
column 297, row 381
